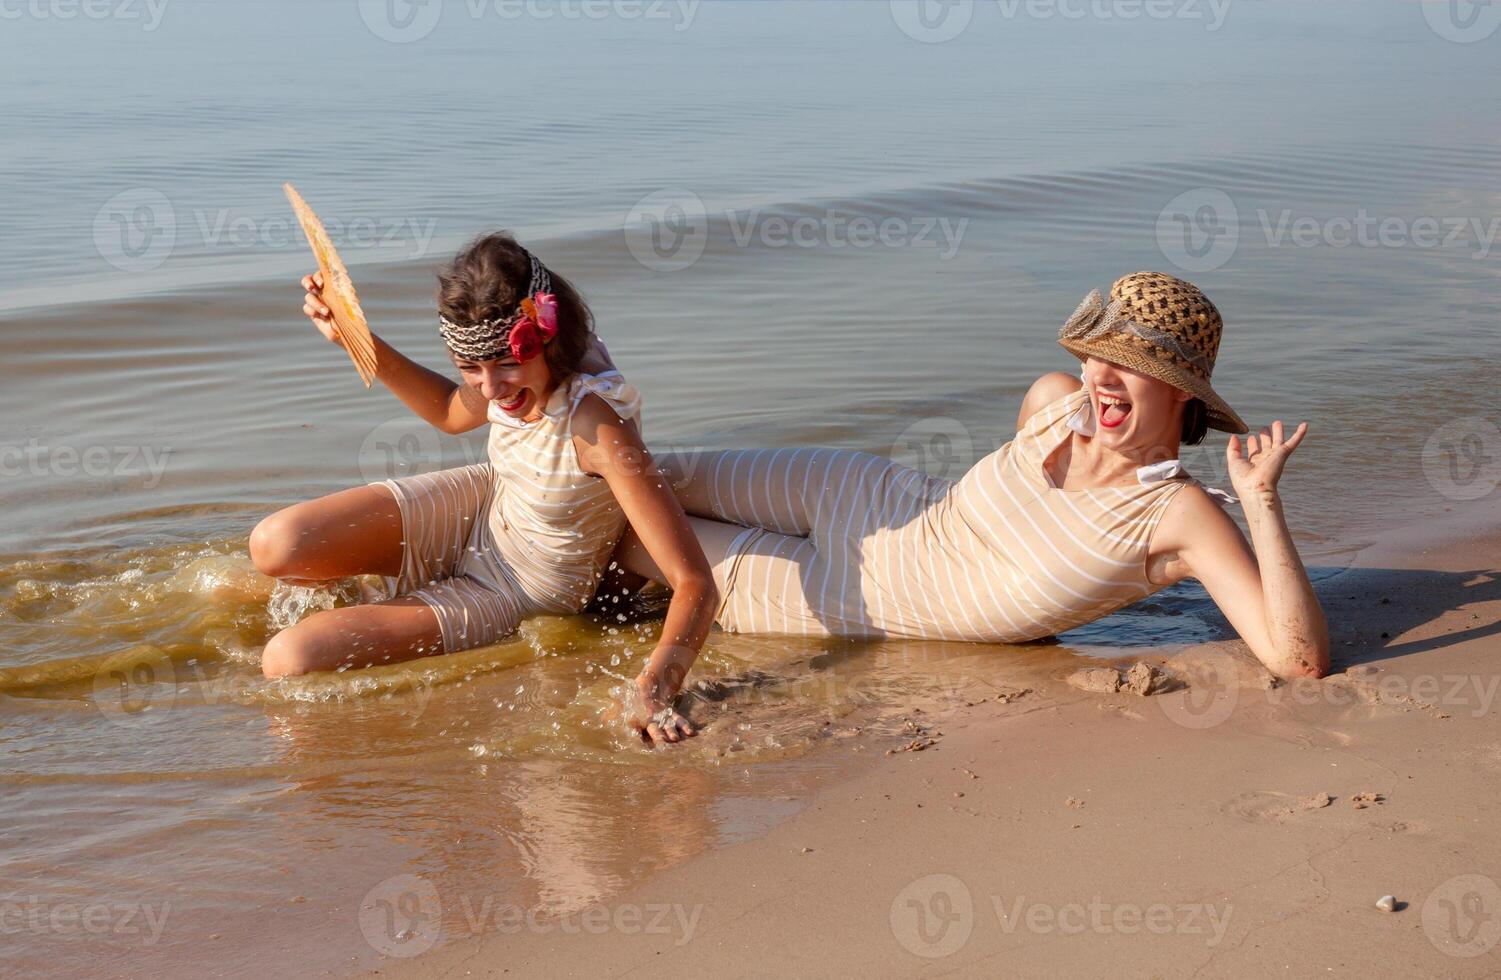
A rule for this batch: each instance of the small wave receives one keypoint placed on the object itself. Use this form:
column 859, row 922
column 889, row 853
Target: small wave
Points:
column 1090, row 196
column 141, row 664
column 417, row 677
column 289, row 604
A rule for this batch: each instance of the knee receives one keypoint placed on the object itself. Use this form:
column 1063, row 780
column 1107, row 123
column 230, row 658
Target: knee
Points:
column 290, row 653
column 274, row 542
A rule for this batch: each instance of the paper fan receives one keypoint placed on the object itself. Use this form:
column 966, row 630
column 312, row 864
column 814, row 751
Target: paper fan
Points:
column 338, row 290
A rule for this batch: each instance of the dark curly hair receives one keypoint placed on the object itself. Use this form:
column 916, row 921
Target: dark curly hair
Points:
column 490, row 277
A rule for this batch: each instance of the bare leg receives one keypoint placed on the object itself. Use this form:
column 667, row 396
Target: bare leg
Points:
column 403, row 628
column 352, row 532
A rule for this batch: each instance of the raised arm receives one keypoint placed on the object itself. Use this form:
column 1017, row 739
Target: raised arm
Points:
column 446, row 405
column 1264, row 593
column 611, row 448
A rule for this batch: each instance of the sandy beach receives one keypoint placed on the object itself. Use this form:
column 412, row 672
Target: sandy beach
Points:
column 1230, row 829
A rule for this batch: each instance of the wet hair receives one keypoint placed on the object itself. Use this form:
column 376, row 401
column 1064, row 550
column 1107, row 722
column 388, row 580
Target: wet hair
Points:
column 489, row 278
column 1195, row 422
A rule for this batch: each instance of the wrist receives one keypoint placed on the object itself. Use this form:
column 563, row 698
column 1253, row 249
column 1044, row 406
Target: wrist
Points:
column 656, row 691
column 1260, row 501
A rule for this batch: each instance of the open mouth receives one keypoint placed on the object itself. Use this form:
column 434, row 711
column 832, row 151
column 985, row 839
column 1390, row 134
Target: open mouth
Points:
column 1113, row 411
column 514, row 405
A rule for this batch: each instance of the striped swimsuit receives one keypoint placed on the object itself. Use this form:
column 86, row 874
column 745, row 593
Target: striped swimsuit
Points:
column 527, row 532
column 847, row 543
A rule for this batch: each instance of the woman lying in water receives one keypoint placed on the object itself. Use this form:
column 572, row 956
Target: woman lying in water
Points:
column 1087, row 510
column 475, row 549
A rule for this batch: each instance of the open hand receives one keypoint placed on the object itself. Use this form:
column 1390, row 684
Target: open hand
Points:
column 317, row 311
column 1266, row 454
column 653, row 717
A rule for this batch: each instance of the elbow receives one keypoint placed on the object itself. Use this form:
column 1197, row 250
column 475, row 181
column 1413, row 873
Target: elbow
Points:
column 1304, row 670
column 1308, row 661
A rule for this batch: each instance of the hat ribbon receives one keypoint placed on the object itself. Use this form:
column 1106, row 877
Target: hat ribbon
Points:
column 1092, row 320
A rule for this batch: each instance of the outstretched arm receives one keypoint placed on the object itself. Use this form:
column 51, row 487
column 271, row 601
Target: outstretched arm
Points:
column 1264, row 593
column 445, row 405
column 611, row 448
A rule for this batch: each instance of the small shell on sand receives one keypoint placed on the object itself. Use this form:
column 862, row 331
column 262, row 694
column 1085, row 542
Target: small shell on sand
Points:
column 1387, row 903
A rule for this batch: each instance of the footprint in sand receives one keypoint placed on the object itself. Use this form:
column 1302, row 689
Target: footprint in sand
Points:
column 1308, row 736
column 1270, row 806
column 1265, row 806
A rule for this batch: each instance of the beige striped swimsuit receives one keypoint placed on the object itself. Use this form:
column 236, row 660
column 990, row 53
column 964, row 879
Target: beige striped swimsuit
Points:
column 527, row 532
column 847, row 543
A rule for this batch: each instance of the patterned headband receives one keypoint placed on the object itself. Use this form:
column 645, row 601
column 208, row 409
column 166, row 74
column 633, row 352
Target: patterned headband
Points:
column 522, row 334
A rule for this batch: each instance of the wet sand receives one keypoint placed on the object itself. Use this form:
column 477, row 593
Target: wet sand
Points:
column 1227, row 829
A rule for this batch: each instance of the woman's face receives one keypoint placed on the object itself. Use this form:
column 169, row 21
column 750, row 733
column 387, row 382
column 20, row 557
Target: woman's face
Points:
column 1133, row 410
column 518, row 389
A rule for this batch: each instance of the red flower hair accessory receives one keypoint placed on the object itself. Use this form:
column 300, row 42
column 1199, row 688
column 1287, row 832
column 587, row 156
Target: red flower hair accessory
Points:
column 523, row 334
column 538, row 324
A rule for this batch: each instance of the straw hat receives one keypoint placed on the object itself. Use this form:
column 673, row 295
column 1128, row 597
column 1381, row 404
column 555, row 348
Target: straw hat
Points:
column 1160, row 326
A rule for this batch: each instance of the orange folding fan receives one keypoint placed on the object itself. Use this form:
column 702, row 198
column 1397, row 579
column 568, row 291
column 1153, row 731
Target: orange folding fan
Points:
column 338, row 290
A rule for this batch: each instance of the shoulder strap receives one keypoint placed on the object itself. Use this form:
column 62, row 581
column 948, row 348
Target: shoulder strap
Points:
column 623, row 397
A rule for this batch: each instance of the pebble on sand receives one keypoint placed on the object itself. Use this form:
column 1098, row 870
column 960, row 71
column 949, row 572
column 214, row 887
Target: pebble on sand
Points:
column 1387, row 903
column 1142, row 679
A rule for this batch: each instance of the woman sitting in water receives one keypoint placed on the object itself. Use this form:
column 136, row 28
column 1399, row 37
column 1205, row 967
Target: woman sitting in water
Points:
column 475, row 549
column 1087, row 510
